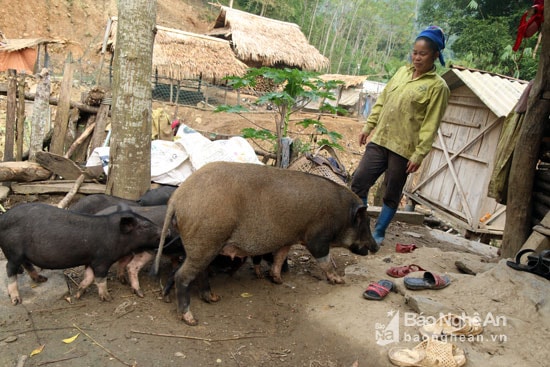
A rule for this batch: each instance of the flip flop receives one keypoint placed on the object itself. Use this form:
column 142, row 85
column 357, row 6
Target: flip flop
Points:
column 428, row 281
column 401, row 271
column 538, row 264
column 452, row 325
column 429, row 353
column 378, row 291
column 399, row 247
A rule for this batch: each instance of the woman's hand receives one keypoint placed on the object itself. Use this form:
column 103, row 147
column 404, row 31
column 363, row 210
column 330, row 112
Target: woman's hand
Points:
column 412, row 167
column 363, row 139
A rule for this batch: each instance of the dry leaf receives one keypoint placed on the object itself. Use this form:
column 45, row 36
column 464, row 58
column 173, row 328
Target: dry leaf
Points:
column 71, row 339
column 38, row 350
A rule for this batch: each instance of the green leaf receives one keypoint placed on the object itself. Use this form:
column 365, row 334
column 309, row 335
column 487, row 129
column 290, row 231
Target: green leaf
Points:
column 307, row 123
column 251, row 133
column 231, row 109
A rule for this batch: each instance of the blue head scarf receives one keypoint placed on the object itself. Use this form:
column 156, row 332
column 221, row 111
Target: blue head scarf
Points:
column 436, row 34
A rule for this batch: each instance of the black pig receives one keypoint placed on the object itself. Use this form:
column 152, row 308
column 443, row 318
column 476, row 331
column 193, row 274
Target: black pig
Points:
column 157, row 196
column 242, row 209
column 53, row 238
column 92, row 204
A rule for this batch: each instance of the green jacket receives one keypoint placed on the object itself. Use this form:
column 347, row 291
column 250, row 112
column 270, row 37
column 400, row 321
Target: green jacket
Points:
column 408, row 112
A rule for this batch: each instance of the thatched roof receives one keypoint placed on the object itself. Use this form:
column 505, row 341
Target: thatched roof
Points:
column 183, row 55
column 10, row 45
column 349, row 80
column 268, row 42
column 178, row 54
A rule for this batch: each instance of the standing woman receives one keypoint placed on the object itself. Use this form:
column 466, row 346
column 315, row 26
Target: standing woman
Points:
column 405, row 119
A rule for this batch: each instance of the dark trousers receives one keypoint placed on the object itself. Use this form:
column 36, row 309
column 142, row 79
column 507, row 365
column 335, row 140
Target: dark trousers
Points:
column 376, row 161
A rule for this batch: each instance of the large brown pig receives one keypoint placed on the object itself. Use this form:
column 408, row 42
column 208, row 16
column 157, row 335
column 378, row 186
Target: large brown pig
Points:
column 242, row 209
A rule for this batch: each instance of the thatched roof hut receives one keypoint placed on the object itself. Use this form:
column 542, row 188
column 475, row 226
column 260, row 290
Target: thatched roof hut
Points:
column 348, row 80
column 179, row 55
column 184, row 55
column 356, row 94
column 259, row 41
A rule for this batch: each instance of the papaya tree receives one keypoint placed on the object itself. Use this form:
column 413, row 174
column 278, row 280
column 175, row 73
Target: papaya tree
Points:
column 294, row 89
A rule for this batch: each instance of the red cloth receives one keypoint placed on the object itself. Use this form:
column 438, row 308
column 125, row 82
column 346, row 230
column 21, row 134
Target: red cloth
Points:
column 528, row 27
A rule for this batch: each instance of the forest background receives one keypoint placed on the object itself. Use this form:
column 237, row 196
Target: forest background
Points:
column 374, row 37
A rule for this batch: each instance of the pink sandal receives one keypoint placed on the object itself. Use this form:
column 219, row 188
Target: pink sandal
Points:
column 377, row 291
column 401, row 271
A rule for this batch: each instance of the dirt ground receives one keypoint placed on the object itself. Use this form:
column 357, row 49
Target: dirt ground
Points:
column 303, row 322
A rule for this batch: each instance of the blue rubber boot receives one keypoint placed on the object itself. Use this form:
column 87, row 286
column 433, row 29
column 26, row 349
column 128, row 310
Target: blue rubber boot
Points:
column 384, row 219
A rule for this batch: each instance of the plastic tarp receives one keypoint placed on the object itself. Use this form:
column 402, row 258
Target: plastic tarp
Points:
column 173, row 161
column 20, row 60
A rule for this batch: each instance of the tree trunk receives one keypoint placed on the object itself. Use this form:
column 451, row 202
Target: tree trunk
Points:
column 130, row 149
column 337, row 33
column 522, row 172
column 327, row 35
column 312, row 21
column 355, row 56
column 344, row 48
column 40, row 124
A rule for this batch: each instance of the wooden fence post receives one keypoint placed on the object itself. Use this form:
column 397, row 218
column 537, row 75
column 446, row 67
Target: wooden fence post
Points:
column 20, row 128
column 11, row 109
column 40, row 113
column 99, row 134
column 63, row 107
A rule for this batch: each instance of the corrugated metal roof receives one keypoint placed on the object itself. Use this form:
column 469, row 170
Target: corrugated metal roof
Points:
column 499, row 93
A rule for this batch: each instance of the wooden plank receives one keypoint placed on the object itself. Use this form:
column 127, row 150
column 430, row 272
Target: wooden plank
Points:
column 59, row 165
column 52, row 187
column 479, row 135
column 463, row 198
column 537, row 241
column 62, row 115
column 404, row 216
column 99, row 134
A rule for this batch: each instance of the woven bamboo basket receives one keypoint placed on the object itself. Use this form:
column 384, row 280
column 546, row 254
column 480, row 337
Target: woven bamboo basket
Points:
column 318, row 164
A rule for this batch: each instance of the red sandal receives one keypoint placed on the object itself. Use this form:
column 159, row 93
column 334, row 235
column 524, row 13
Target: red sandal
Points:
column 428, row 281
column 399, row 247
column 377, row 291
column 401, row 271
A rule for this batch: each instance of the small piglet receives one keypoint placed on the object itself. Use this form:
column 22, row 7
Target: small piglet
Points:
column 52, row 238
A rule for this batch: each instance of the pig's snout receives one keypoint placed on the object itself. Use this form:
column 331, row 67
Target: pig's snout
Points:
column 359, row 250
column 374, row 247
column 363, row 250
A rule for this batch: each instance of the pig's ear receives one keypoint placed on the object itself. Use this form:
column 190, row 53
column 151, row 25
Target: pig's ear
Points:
column 127, row 224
